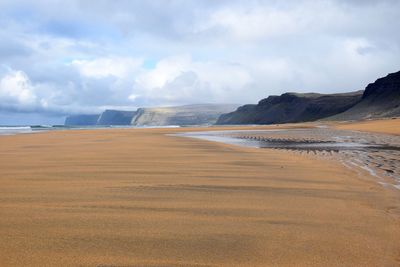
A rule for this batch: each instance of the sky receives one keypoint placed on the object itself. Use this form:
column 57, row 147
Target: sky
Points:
column 72, row 57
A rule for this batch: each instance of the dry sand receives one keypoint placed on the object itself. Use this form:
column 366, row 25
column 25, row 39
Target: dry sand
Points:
column 387, row 126
column 141, row 198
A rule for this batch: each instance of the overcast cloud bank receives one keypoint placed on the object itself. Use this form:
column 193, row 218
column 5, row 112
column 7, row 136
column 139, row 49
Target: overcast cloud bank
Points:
column 65, row 57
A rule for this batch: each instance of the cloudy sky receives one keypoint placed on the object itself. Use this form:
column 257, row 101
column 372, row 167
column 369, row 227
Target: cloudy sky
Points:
column 68, row 57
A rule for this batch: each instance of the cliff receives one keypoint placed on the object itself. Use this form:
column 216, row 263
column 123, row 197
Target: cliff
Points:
column 380, row 99
column 291, row 107
column 200, row 114
column 116, row 117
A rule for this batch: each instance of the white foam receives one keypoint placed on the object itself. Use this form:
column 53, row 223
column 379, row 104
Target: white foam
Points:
column 10, row 130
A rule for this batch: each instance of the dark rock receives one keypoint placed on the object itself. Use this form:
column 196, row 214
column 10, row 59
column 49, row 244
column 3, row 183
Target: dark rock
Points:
column 291, row 107
column 116, row 117
column 380, row 99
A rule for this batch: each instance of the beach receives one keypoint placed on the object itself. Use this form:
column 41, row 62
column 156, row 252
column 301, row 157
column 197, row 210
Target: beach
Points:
column 144, row 197
column 387, row 126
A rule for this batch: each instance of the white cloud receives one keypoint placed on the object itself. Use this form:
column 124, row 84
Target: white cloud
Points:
column 179, row 79
column 16, row 89
column 165, row 71
column 255, row 23
column 267, row 21
column 84, row 57
column 108, row 66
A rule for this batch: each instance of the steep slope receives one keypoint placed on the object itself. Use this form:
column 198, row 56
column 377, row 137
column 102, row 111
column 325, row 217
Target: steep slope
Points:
column 291, row 107
column 181, row 115
column 116, row 117
column 380, row 99
column 80, row 120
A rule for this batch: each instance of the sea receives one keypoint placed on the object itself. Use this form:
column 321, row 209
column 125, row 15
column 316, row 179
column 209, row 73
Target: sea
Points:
column 29, row 129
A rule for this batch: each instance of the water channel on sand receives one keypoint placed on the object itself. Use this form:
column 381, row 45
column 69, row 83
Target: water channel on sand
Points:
column 379, row 154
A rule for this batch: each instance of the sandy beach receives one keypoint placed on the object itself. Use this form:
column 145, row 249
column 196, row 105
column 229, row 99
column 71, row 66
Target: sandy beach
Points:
column 387, row 126
column 140, row 197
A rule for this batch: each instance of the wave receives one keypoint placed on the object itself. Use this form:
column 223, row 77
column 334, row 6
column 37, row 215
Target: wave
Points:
column 10, row 130
column 41, row 127
column 6, row 128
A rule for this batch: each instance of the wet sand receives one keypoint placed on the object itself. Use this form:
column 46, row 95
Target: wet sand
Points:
column 130, row 197
column 375, row 153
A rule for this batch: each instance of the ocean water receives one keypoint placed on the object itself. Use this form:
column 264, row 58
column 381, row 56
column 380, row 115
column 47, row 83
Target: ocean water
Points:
column 26, row 129
column 10, row 130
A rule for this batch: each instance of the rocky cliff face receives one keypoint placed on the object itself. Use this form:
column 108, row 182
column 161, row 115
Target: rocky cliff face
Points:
column 81, row 120
column 380, row 99
column 116, row 117
column 181, row 115
column 292, row 107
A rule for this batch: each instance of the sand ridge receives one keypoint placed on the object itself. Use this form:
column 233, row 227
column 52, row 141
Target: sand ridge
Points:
column 131, row 197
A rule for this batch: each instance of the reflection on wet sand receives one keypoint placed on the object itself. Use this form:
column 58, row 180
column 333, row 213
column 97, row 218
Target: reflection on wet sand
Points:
column 378, row 154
